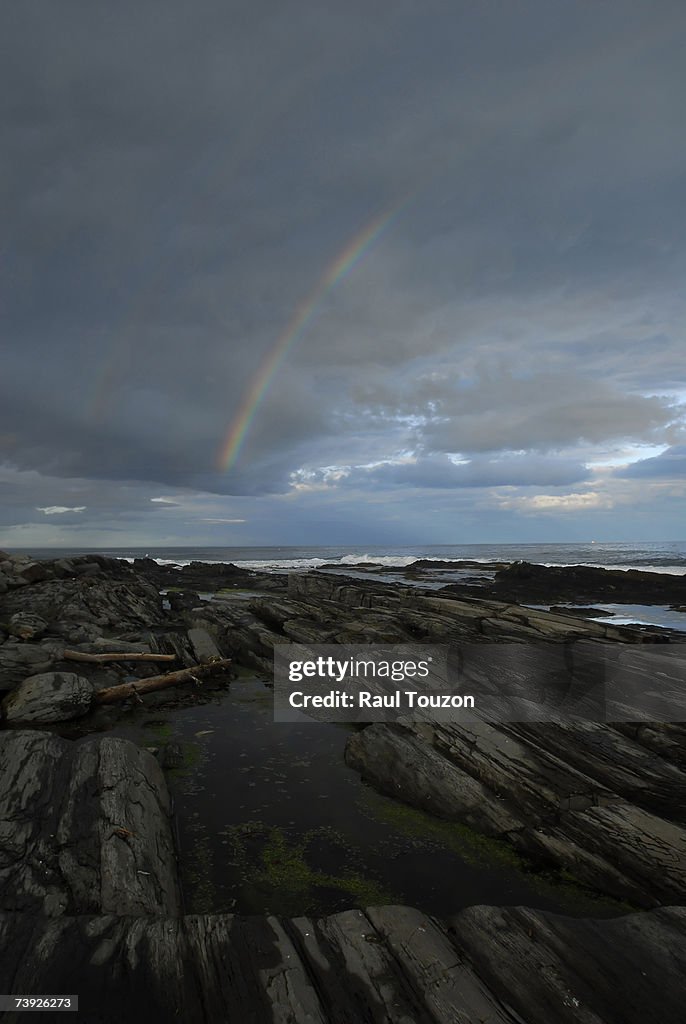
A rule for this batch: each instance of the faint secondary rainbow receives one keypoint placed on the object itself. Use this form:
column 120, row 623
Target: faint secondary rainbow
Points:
column 343, row 264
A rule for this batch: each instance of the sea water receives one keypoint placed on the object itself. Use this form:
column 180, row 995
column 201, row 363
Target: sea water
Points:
column 657, row 556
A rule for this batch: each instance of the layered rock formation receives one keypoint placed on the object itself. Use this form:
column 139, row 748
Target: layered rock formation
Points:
column 387, row 964
column 89, row 899
column 606, row 803
column 89, row 906
column 580, row 584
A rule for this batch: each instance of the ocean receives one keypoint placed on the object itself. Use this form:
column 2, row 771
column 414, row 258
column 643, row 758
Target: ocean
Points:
column 658, row 556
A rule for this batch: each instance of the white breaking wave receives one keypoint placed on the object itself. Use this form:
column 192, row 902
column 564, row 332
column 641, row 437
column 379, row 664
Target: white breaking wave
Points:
column 398, row 561
column 263, row 565
column 390, row 561
column 395, row 562
column 177, row 561
column 350, row 561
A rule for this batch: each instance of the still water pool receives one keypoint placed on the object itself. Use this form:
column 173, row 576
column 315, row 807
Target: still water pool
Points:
column 271, row 820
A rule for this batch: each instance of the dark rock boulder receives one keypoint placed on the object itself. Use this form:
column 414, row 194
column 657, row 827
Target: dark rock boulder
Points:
column 49, row 697
column 26, row 626
column 19, row 660
column 182, row 600
column 76, row 633
column 208, row 577
column 142, row 564
column 33, row 572
column 63, row 567
column 580, row 584
column 86, row 568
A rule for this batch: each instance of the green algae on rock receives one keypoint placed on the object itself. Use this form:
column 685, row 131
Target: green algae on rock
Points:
column 275, row 869
column 477, row 849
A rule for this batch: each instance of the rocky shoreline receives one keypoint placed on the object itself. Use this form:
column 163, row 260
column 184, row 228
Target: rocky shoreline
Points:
column 86, row 848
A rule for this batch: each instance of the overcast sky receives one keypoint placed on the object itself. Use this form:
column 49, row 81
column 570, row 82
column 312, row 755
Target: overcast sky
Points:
column 504, row 362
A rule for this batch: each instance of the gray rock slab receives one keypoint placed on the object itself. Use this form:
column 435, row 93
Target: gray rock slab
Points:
column 568, row 808
column 404, row 766
column 640, row 855
column 553, row 968
column 204, row 647
column 622, row 764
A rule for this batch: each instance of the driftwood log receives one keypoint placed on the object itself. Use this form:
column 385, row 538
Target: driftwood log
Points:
column 118, row 656
column 111, row 694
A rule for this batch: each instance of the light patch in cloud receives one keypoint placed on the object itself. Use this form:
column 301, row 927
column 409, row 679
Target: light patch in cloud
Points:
column 559, row 502
column 303, row 487
column 323, row 478
column 445, row 471
column 206, row 520
column 58, row 510
column 626, row 456
column 669, row 463
column 164, row 501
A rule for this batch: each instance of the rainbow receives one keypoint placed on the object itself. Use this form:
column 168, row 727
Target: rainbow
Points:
column 342, row 265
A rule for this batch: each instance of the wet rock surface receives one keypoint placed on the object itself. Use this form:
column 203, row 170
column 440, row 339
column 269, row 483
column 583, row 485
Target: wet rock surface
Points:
column 501, row 965
column 84, row 828
column 580, row 798
column 49, row 697
column 87, row 864
column 206, row 576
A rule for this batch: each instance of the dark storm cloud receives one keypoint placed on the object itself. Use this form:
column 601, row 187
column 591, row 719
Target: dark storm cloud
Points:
column 181, row 177
column 487, row 408
column 532, row 415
